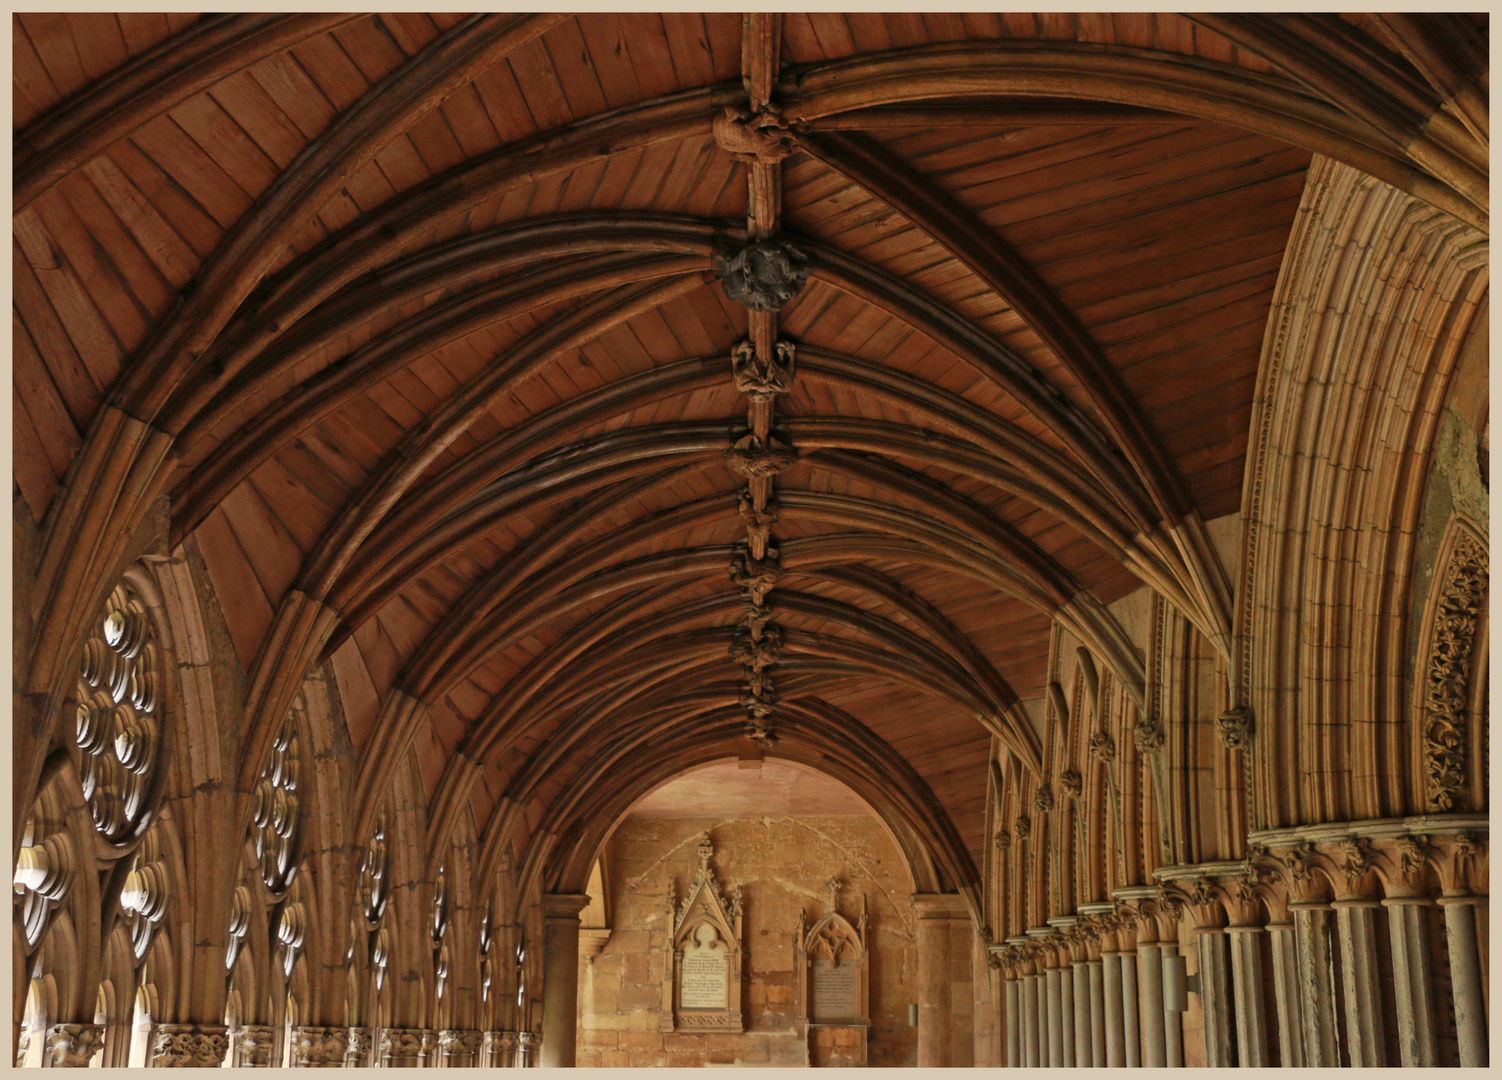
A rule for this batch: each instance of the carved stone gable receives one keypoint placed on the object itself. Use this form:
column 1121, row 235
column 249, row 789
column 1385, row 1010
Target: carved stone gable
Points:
column 702, row 975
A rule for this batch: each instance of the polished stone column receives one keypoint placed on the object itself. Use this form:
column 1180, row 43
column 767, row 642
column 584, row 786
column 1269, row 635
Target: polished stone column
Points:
column 1011, row 991
column 1115, row 1032
column 401, row 1048
column 1215, row 998
column 70, row 1046
column 1129, row 1007
column 1060, row 1037
column 1097, row 1014
column 1030, row 1044
column 1173, row 1023
column 1413, row 988
column 1311, row 923
column 1357, row 930
column 1150, row 1005
column 1249, row 1009
column 253, row 1046
column 560, row 978
column 1081, row 996
column 189, row 1046
column 1461, row 913
column 1286, row 995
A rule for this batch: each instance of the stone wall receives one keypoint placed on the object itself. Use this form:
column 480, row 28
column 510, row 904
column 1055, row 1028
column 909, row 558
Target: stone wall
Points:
column 781, row 864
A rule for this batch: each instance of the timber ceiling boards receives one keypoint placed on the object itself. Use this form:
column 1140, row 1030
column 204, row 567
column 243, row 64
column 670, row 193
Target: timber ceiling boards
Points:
column 428, row 307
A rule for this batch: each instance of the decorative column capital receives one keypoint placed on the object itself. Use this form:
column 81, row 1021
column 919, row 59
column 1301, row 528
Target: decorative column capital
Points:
column 401, row 1046
column 189, row 1046
column 69, row 1046
column 322, row 1047
column 254, row 1045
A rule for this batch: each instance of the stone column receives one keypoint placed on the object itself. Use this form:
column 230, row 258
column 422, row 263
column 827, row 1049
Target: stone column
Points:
column 189, row 1046
column 1249, row 1009
column 528, row 1047
column 1030, row 1044
column 936, row 912
column 70, row 1046
column 1115, row 1033
column 560, row 979
column 498, row 1050
column 1172, row 1022
column 1082, row 1055
column 1097, row 1014
column 1055, row 1021
column 401, row 1048
column 1413, row 991
column 254, row 1045
column 457, row 1047
column 1129, row 1010
column 1215, row 998
column 1311, row 923
column 1012, row 991
column 1041, row 986
column 1461, row 913
column 1356, row 923
column 1286, row 995
column 1150, row 1005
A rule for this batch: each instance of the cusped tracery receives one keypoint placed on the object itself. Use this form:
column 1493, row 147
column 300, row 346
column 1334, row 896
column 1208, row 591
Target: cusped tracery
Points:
column 275, row 828
column 118, row 714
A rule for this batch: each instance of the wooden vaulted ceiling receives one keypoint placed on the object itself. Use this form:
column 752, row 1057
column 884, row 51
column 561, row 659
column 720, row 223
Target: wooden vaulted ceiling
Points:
column 428, row 302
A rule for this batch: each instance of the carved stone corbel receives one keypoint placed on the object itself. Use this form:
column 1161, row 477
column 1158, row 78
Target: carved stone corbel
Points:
column 1072, row 784
column 1043, row 798
column 70, row 1046
column 1149, row 735
column 1023, row 827
column 1101, row 745
column 1235, row 727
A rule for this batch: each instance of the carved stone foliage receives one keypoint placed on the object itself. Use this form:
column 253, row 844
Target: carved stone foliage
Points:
column 1149, row 735
column 1023, row 827
column 189, row 1046
column 752, row 456
column 458, row 1042
column 1235, row 727
column 702, row 987
column 275, row 830
column 1461, row 591
column 401, row 1046
column 1101, row 745
column 1071, row 783
column 1043, row 798
column 69, row 1046
column 254, row 1045
column 764, row 275
column 753, row 138
column 117, row 713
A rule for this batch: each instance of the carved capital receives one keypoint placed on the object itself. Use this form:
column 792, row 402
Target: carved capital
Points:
column 1355, row 859
column 1235, row 727
column 254, row 1046
column 458, row 1042
column 187, row 1046
column 326, row 1047
column 764, row 274
column 401, row 1046
column 498, row 1048
column 69, row 1046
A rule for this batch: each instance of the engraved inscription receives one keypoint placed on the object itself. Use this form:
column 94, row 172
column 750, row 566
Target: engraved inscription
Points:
column 834, row 990
column 705, row 965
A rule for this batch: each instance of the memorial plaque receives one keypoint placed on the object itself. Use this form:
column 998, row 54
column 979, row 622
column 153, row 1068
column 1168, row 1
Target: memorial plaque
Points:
column 834, row 990
column 705, row 966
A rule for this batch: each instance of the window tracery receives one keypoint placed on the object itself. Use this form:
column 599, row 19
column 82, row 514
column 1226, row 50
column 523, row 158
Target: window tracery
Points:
column 117, row 714
column 42, row 875
column 276, row 825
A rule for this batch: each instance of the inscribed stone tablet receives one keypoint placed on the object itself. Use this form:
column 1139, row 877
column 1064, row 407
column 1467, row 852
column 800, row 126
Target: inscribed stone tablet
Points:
column 704, row 969
column 834, row 990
